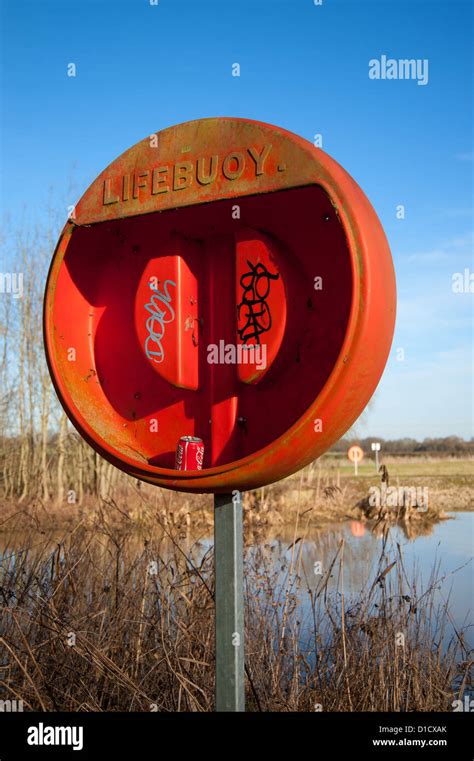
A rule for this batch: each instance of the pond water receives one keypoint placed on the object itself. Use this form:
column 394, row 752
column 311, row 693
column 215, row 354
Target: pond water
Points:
column 444, row 555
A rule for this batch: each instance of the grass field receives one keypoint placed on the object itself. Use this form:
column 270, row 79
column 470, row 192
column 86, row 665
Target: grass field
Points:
column 403, row 467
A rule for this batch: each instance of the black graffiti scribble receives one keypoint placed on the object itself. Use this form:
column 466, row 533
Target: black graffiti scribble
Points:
column 256, row 287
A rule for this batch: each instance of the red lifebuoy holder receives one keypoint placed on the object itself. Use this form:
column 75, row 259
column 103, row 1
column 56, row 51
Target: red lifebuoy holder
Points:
column 222, row 279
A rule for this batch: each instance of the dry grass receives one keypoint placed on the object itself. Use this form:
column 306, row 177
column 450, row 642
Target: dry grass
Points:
column 323, row 491
column 109, row 619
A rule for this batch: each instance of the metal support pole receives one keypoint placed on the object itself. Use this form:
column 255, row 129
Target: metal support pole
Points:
column 229, row 601
column 377, row 460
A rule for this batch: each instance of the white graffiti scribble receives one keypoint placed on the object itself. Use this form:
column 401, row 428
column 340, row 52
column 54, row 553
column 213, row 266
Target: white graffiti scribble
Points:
column 161, row 313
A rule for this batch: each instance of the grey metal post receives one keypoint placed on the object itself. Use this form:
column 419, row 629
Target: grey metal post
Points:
column 229, row 602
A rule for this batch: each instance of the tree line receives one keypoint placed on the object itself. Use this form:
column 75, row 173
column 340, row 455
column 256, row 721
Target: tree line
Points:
column 447, row 445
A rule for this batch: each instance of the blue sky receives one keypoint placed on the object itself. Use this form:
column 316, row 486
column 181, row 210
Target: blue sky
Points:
column 143, row 67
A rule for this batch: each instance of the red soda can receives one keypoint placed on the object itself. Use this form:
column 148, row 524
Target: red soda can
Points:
column 189, row 453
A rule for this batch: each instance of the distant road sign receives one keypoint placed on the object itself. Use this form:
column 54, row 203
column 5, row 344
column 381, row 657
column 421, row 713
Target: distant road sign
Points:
column 355, row 453
column 376, row 448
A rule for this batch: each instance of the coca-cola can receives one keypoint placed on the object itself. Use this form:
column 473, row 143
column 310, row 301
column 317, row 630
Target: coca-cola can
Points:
column 189, row 453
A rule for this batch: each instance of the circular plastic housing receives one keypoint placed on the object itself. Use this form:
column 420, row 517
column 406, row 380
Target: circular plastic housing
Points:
column 222, row 279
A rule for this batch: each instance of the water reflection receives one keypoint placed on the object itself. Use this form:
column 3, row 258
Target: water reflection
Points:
column 441, row 551
column 443, row 554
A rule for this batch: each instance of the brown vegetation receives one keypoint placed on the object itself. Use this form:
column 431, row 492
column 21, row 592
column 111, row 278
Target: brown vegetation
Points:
column 109, row 620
